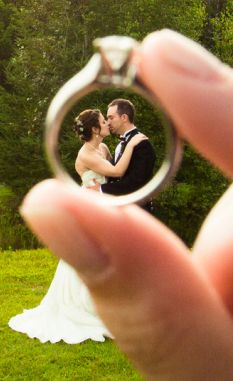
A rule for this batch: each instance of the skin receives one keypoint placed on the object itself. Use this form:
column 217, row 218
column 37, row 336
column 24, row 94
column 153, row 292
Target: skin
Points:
column 95, row 155
column 118, row 124
column 170, row 310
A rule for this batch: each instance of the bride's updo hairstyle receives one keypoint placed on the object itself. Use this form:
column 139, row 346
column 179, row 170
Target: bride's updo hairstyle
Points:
column 84, row 123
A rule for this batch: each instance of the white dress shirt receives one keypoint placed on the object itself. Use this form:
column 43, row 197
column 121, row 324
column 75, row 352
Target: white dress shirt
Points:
column 118, row 147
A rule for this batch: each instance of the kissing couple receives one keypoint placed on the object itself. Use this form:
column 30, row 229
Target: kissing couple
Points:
column 133, row 162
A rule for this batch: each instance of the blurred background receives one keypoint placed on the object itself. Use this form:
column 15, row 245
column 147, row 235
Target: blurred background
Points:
column 42, row 45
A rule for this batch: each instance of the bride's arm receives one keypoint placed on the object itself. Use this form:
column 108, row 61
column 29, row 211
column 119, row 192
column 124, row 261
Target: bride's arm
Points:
column 106, row 151
column 105, row 168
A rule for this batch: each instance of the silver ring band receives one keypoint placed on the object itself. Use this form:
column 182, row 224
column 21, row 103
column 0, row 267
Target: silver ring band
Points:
column 110, row 67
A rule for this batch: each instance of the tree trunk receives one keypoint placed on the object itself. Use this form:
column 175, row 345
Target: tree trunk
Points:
column 214, row 8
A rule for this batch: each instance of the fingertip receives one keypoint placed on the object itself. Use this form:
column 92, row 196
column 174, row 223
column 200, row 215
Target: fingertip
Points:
column 56, row 192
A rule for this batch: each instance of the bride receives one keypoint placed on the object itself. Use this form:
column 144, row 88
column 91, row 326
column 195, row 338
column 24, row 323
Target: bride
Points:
column 67, row 312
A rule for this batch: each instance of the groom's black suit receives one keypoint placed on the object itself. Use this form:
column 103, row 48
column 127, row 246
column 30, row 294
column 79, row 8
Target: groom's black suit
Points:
column 139, row 171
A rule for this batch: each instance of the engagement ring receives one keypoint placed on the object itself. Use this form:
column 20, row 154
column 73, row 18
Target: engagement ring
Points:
column 110, row 67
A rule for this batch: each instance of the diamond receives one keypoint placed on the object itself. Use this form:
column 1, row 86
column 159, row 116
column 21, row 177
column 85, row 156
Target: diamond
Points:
column 115, row 50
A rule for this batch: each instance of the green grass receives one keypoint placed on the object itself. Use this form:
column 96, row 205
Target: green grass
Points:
column 24, row 279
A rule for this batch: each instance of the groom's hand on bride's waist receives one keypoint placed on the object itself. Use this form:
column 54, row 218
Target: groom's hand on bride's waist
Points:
column 96, row 186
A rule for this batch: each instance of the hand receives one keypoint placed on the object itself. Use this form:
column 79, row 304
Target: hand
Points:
column 170, row 311
column 95, row 187
column 136, row 139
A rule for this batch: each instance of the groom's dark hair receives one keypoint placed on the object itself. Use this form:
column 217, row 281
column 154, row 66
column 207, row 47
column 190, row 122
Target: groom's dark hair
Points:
column 124, row 106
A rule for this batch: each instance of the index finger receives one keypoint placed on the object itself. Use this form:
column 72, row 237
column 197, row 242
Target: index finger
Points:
column 195, row 88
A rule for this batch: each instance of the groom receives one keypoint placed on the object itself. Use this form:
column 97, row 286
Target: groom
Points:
column 120, row 115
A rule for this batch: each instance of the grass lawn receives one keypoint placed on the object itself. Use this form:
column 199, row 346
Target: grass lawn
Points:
column 24, row 279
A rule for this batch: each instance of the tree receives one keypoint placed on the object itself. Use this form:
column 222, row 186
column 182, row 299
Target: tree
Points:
column 8, row 34
column 223, row 33
column 214, row 8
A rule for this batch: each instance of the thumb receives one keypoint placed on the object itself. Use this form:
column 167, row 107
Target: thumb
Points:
column 154, row 301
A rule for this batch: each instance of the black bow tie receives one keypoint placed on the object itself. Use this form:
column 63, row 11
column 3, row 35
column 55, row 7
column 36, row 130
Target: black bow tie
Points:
column 122, row 138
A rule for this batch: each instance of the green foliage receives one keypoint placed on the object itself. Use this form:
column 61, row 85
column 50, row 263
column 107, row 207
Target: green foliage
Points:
column 223, row 34
column 213, row 10
column 142, row 17
column 7, row 36
column 25, row 277
column 187, row 201
column 13, row 233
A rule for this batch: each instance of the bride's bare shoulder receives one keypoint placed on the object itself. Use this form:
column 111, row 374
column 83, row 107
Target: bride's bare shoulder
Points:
column 80, row 160
column 81, row 152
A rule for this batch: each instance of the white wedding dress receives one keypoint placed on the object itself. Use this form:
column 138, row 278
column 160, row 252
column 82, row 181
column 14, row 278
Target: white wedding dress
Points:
column 66, row 312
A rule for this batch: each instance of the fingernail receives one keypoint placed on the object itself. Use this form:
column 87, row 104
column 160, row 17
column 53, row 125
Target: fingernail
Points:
column 187, row 56
column 61, row 232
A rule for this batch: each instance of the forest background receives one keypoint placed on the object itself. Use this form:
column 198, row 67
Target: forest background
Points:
column 42, row 45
